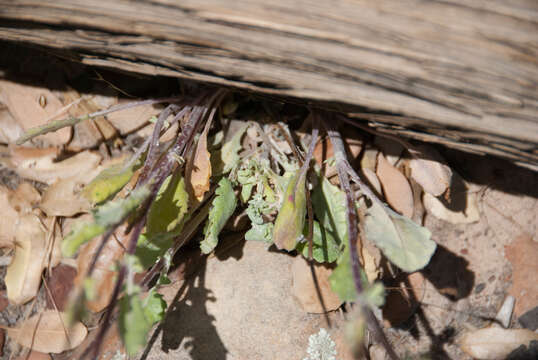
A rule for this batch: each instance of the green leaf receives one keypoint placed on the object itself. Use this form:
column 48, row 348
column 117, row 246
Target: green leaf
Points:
column 133, row 322
column 114, row 212
column 325, row 249
column 289, row 223
column 406, row 244
column 105, row 217
column 227, row 157
column 109, row 182
column 167, row 213
column 148, row 251
column 82, row 232
column 330, row 208
column 154, row 306
column 260, row 232
column 343, row 285
column 341, row 279
column 222, row 208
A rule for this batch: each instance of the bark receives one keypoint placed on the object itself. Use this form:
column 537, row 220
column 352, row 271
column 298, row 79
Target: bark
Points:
column 458, row 72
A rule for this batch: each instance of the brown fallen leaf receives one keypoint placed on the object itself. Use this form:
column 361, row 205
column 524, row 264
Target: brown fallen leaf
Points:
column 40, row 165
column 130, row 120
column 304, row 290
column 522, row 253
column 198, row 170
column 23, row 275
column 436, row 207
column 10, row 129
column 429, row 170
column 48, row 332
column 86, row 134
column 495, row 342
column 24, row 105
column 60, row 282
column 8, row 220
column 103, row 275
column 34, row 355
column 396, row 188
column 25, row 198
column 63, row 198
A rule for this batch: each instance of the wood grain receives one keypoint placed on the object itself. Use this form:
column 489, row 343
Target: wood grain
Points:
column 463, row 73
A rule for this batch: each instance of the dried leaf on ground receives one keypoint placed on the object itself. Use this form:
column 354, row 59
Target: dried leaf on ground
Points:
column 10, row 129
column 198, row 169
column 133, row 119
column 8, row 220
column 406, row 244
column 48, row 332
column 373, row 180
column 23, row 102
column 87, row 134
column 34, row 355
column 23, row 275
column 40, row 165
column 392, row 149
column 436, row 207
column 222, row 208
column 103, row 277
column 522, row 253
column 495, row 342
column 396, row 188
column 429, row 170
column 304, row 288
column 63, row 198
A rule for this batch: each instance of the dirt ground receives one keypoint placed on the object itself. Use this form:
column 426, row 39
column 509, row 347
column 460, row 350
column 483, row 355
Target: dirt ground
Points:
column 237, row 304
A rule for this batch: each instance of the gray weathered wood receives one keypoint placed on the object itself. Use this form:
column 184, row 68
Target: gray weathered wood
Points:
column 463, row 73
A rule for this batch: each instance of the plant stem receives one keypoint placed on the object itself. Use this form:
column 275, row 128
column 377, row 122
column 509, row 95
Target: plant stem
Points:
column 343, row 167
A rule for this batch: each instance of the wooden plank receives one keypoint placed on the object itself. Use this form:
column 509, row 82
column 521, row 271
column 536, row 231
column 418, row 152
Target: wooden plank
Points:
column 457, row 71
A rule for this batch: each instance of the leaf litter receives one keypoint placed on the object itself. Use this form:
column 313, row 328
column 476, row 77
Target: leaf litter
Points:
column 249, row 170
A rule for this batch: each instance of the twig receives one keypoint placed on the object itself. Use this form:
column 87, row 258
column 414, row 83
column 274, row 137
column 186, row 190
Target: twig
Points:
column 59, row 124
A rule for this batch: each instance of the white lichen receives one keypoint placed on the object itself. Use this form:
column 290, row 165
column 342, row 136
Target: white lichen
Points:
column 321, row 346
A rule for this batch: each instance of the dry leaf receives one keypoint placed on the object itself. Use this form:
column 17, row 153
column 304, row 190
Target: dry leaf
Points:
column 24, row 105
column 63, row 198
column 23, row 275
column 495, row 342
column 40, row 166
column 522, row 253
column 304, row 290
column 46, row 332
column 198, row 171
column 34, row 355
column 8, row 220
column 24, row 198
column 396, row 188
column 87, row 134
column 429, row 170
column 133, row 119
column 10, row 130
column 435, row 207
column 104, row 275
column 373, row 181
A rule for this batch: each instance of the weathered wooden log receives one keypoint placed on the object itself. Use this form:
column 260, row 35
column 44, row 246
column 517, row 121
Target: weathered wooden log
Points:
column 459, row 72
